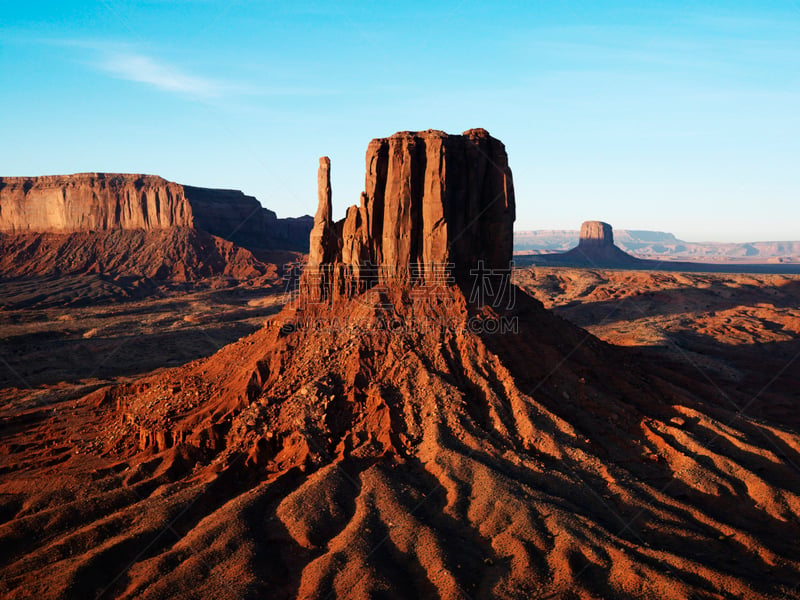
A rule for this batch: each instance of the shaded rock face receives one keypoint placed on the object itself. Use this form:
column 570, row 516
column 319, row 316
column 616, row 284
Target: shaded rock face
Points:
column 596, row 234
column 234, row 216
column 430, row 200
column 104, row 201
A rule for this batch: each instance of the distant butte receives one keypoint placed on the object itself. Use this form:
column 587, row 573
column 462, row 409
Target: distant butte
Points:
column 595, row 249
column 596, row 234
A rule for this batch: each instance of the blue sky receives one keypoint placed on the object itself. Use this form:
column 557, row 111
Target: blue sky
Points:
column 674, row 116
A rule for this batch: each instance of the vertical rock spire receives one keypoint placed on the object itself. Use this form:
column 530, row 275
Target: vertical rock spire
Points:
column 323, row 246
column 324, row 204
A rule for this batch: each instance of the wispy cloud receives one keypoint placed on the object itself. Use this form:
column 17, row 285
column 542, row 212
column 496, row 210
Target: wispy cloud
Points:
column 145, row 69
column 129, row 62
column 125, row 61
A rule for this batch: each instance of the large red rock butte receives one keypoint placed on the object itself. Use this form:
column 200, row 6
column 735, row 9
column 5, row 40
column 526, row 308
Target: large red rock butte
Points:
column 431, row 200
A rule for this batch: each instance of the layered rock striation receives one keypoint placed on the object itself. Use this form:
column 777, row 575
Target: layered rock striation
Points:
column 106, row 201
column 434, row 205
column 91, row 202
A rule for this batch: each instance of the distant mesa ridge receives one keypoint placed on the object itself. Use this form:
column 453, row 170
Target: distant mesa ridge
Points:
column 431, row 199
column 596, row 249
column 659, row 244
column 112, row 201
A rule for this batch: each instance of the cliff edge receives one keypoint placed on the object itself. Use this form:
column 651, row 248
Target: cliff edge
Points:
column 111, row 201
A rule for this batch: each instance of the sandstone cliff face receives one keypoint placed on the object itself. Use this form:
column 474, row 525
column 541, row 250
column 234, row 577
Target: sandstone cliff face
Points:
column 430, row 200
column 103, row 202
column 91, row 202
column 596, row 234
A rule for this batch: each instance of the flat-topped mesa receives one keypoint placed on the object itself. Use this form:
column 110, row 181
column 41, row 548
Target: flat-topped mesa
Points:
column 112, row 201
column 596, row 234
column 432, row 203
column 91, row 202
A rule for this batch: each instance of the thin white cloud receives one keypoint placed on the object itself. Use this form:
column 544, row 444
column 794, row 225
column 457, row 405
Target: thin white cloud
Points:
column 141, row 68
column 125, row 61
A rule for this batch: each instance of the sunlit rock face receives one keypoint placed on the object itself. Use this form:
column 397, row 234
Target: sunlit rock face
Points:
column 112, row 201
column 430, row 199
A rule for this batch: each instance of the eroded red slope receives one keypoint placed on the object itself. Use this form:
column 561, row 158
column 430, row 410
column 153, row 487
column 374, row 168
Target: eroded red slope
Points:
column 376, row 458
